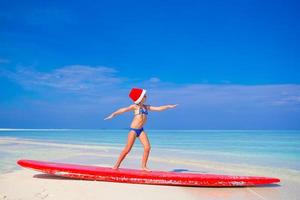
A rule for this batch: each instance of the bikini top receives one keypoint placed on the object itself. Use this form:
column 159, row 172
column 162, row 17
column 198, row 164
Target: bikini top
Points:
column 142, row 111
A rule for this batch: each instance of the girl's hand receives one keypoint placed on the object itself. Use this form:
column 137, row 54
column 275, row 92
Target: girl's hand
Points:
column 109, row 117
column 173, row 106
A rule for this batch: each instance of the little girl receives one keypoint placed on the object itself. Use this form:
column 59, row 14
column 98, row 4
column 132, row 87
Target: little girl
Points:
column 136, row 129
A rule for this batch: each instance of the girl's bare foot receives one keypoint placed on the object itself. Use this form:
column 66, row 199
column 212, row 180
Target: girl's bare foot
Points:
column 146, row 169
column 115, row 167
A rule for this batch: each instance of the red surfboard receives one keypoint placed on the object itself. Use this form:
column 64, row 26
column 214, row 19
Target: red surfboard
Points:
column 143, row 177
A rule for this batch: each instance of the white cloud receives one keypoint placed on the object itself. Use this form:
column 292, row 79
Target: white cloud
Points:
column 229, row 97
column 74, row 78
column 154, row 80
column 105, row 84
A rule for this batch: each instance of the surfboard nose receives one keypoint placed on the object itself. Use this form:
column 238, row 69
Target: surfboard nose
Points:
column 23, row 163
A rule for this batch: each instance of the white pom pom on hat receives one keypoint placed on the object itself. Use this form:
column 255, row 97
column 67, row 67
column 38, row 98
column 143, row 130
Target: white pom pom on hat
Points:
column 137, row 94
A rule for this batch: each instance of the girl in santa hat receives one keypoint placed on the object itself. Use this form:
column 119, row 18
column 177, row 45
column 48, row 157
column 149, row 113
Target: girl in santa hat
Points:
column 136, row 129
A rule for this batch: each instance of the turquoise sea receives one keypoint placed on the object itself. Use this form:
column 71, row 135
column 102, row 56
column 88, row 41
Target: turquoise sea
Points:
column 276, row 149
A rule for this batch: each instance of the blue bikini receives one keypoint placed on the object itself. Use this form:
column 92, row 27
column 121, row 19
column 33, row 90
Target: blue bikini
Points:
column 138, row 131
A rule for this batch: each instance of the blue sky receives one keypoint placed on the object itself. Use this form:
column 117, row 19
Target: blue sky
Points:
column 229, row 64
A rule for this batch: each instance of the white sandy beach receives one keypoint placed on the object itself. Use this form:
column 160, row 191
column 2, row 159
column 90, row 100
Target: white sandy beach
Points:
column 30, row 185
column 24, row 184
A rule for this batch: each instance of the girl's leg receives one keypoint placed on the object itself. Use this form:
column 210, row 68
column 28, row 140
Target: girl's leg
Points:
column 126, row 150
column 144, row 140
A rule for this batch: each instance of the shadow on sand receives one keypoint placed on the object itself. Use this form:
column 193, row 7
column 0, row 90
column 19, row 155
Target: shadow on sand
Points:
column 51, row 176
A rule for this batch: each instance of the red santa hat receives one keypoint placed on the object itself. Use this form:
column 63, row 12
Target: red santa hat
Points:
column 137, row 94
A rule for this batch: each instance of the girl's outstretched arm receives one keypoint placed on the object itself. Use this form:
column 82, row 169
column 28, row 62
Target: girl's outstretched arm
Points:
column 120, row 111
column 161, row 108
